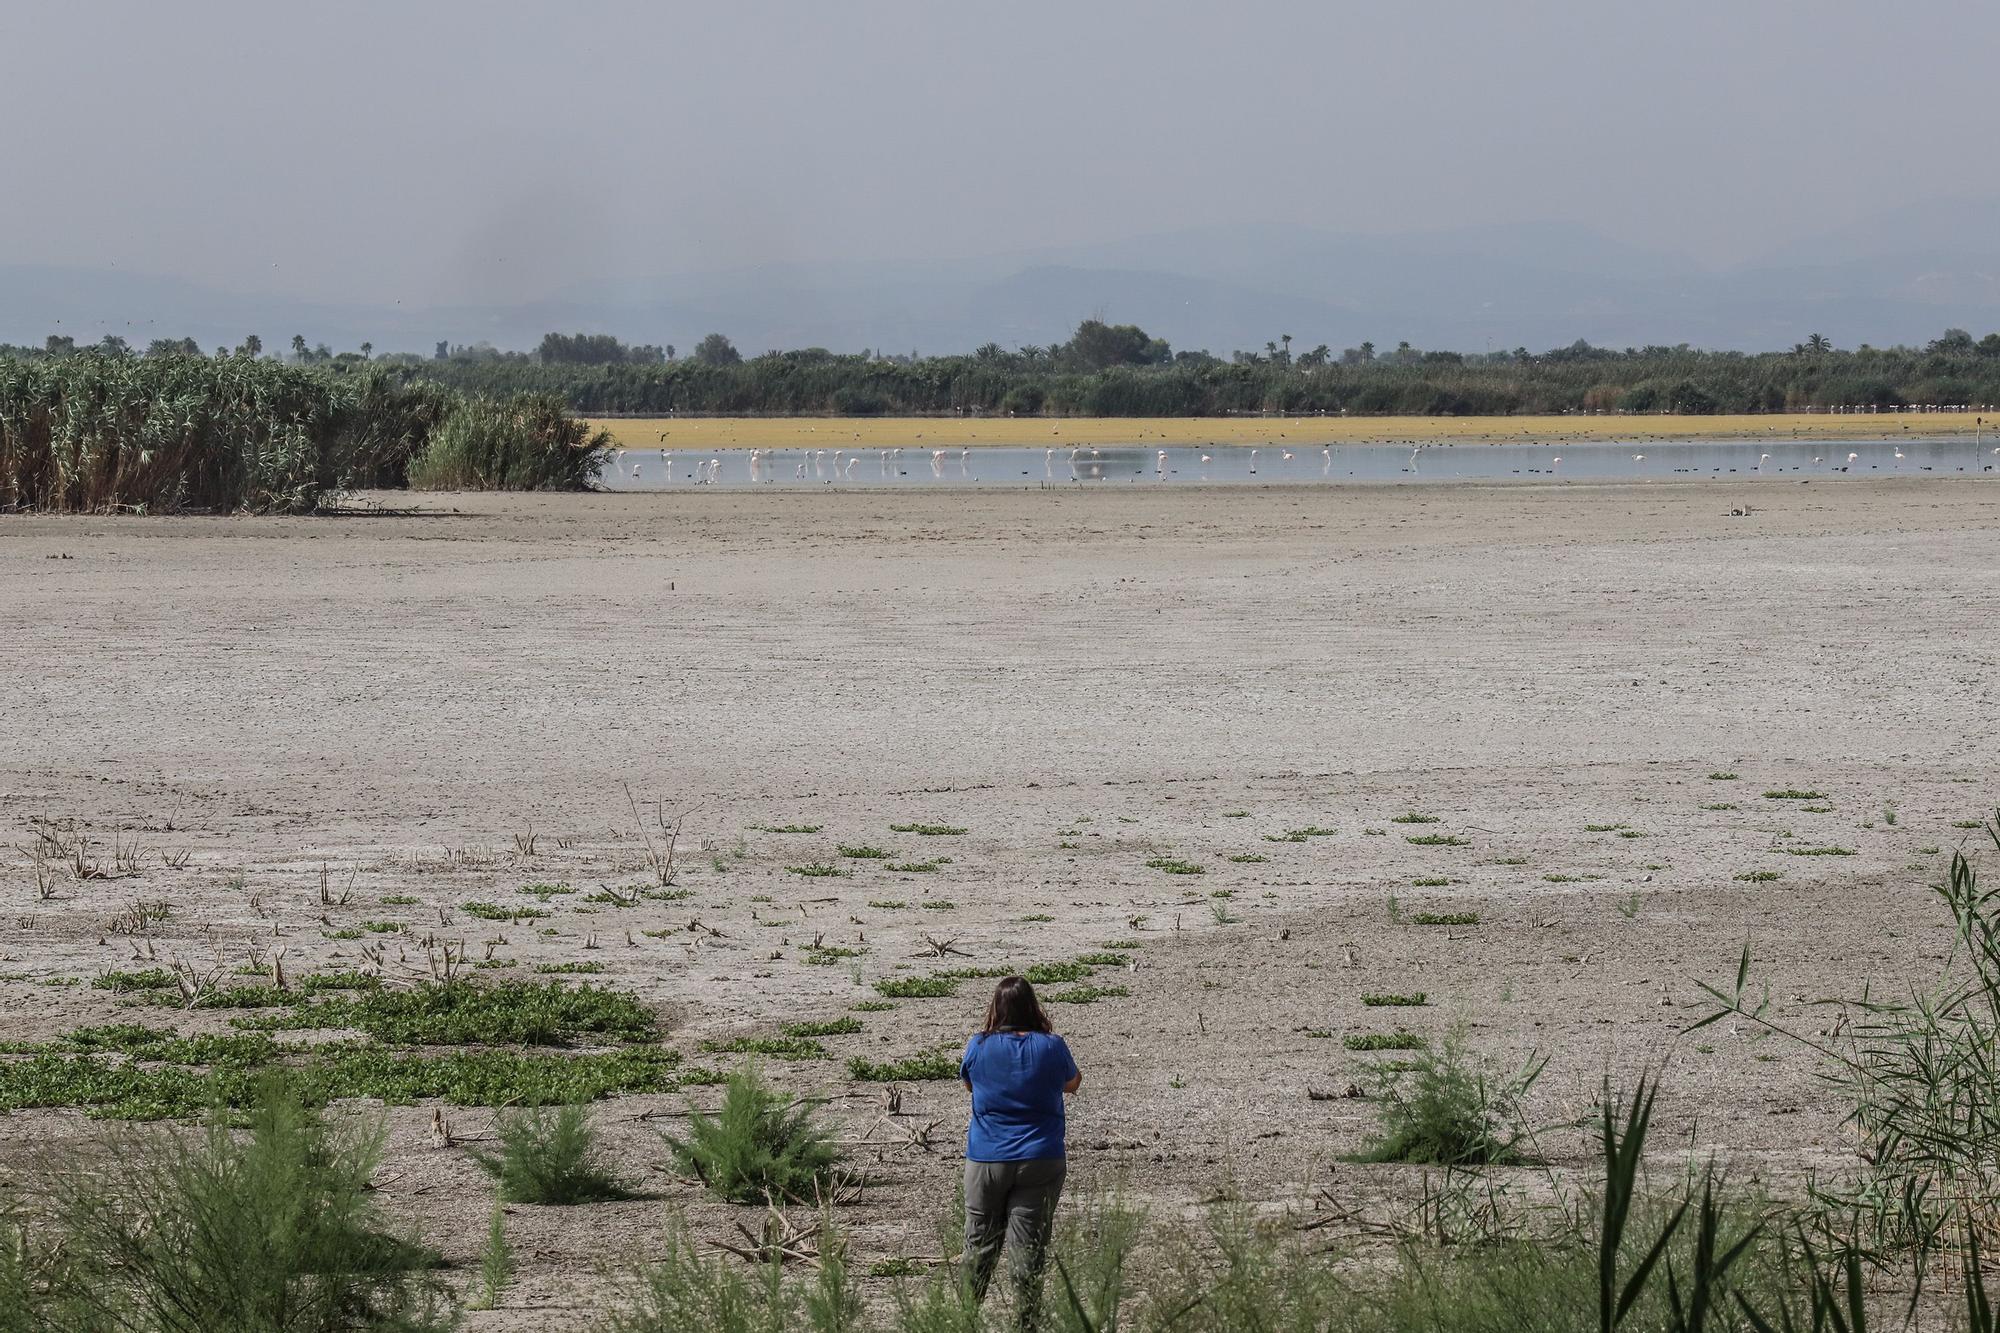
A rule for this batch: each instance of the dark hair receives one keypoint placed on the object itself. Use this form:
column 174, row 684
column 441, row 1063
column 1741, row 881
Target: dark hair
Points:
column 1014, row 1008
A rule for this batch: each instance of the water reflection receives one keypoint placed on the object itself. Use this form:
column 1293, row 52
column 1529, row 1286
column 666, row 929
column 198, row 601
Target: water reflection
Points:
column 1112, row 465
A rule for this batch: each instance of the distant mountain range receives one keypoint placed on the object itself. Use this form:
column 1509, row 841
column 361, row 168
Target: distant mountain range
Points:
column 1899, row 279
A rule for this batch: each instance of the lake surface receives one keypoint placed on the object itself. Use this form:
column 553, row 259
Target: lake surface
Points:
column 1221, row 465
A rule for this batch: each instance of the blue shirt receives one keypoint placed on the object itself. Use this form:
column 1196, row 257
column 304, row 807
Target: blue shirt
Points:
column 1017, row 1095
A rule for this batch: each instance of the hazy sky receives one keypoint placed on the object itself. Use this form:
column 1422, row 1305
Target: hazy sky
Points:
column 461, row 151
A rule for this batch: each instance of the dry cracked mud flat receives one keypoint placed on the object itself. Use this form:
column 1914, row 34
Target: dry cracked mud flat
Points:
column 1251, row 756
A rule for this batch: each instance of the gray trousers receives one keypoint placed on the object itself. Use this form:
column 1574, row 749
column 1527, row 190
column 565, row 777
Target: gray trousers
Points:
column 1017, row 1201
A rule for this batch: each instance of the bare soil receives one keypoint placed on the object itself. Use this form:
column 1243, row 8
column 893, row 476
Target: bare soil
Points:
column 1084, row 684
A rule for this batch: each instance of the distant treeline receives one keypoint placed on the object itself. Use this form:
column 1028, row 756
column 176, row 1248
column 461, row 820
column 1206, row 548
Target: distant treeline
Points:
column 102, row 431
column 1118, row 370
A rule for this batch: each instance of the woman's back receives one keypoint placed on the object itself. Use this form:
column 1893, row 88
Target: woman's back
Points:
column 1017, row 1081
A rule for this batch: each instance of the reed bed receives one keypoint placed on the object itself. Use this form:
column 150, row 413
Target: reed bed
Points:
column 104, row 433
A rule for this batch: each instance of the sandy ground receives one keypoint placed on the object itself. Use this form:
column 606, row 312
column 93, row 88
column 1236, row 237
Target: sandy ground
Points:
column 1084, row 683
column 951, row 432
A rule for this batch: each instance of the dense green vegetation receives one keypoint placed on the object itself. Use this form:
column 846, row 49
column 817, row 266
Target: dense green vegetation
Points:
column 1117, row 370
column 1132, row 375
column 104, row 428
column 103, row 431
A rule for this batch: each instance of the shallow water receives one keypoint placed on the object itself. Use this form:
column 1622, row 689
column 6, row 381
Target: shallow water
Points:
column 1749, row 460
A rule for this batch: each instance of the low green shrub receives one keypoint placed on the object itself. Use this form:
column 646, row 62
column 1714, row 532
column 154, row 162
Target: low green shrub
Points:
column 549, row 1156
column 778, row 1048
column 917, row 988
column 758, row 1145
column 929, row 1065
column 1446, row 1109
column 275, row 1229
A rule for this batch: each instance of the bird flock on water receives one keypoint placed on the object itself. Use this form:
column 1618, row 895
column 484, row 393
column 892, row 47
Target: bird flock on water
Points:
column 647, row 468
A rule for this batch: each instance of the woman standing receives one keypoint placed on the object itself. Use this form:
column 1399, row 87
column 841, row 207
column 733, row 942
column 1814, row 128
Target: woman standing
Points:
column 1017, row 1070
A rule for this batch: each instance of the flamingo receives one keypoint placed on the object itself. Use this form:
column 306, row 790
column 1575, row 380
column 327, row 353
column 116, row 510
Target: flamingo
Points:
column 1253, row 462
column 1288, row 455
column 1206, row 459
column 1851, row 458
column 851, row 461
column 1160, row 463
column 1761, row 460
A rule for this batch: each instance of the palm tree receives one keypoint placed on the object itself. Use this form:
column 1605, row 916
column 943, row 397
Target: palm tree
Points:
column 1818, row 343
